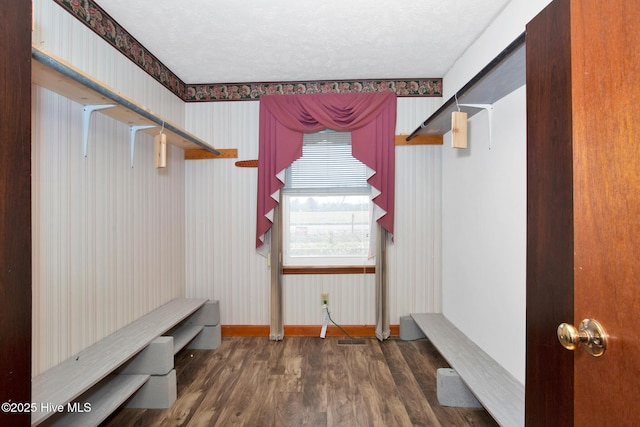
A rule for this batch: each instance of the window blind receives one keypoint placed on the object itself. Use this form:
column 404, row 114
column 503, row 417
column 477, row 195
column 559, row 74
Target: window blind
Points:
column 327, row 164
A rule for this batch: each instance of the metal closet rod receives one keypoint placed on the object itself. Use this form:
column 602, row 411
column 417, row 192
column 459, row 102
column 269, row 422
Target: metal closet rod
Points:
column 83, row 80
column 515, row 45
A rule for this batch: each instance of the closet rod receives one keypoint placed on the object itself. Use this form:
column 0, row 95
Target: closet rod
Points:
column 69, row 72
column 499, row 86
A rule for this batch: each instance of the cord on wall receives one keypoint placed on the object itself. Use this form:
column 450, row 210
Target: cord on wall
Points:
column 325, row 321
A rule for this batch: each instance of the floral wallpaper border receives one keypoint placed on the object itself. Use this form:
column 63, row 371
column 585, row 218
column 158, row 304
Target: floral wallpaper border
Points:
column 99, row 21
column 252, row 91
column 94, row 17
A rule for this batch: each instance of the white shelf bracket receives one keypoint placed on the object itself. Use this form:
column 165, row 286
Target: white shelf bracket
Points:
column 133, row 130
column 86, row 118
column 489, row 108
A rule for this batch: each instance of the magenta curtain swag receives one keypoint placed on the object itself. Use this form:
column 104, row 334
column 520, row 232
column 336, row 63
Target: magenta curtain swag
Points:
column 371, row 119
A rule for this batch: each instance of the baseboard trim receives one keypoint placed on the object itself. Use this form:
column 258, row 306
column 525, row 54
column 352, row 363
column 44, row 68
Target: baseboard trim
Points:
column 304, row 330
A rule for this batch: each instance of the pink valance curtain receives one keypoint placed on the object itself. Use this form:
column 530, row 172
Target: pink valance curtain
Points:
column 371, row 118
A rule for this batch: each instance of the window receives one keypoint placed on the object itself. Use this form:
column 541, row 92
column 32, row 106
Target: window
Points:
column 326, row 205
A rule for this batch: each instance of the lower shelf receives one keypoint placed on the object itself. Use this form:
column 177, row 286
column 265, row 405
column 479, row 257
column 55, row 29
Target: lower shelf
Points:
column 94, row 406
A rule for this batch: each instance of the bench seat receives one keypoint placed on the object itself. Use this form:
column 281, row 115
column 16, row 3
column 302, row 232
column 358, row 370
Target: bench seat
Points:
column 74, row 376
column 494, row 387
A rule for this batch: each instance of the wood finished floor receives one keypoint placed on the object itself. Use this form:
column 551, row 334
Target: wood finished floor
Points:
column 306, row 381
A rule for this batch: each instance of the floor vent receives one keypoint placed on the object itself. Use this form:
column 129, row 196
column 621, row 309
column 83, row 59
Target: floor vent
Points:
column 352, row 342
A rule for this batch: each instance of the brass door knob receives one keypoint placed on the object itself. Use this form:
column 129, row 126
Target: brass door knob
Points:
column 590, row 335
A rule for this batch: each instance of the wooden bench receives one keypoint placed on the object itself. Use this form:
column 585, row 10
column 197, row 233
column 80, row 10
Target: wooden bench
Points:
column 92, row 374
column 494, row 387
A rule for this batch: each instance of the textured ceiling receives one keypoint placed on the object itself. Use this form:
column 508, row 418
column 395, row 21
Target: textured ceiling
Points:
column 230, row 41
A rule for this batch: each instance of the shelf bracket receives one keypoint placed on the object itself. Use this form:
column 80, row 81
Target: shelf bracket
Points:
column 489, row 108
column 86, row 118
column 133, row 130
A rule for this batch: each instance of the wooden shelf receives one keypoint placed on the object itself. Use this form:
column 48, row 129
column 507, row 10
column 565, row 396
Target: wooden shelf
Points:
column 499, row 78
column 401, row 140
column 200, row 154
column 61, row 77
column 104, row 399
column 183, row 335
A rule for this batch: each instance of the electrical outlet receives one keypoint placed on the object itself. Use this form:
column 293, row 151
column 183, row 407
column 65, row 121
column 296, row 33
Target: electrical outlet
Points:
column 324, row 298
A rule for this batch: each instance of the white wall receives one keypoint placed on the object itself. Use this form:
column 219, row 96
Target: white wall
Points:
column 484, row 233
column 108, row 240
column 220, row 214
column 484, row 207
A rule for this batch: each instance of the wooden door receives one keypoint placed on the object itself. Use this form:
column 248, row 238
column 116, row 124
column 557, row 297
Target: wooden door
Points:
column 606, row 106
column 583, row 243
column 15, row 209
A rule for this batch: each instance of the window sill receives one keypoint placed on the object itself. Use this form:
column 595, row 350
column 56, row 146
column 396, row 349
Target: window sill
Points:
column 363, row 269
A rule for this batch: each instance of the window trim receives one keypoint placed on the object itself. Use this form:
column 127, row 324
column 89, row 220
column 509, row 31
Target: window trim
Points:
column 337, row 269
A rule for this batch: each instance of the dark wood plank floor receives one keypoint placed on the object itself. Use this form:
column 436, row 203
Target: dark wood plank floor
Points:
column 306, row 381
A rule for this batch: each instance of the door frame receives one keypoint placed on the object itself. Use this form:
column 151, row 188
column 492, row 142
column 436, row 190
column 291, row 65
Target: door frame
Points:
column 15, row 209
column 549, row 384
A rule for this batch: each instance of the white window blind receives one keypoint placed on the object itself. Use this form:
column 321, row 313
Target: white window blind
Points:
column 327, row 164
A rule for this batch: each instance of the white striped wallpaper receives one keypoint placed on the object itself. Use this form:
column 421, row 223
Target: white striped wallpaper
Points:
column 108, row 240
column 220, row 240
column 220, row 204
column 415, row 257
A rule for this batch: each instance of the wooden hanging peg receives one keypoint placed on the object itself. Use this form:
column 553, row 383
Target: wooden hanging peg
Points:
column 160, row 152
column 459, row 129
column 247, row 163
